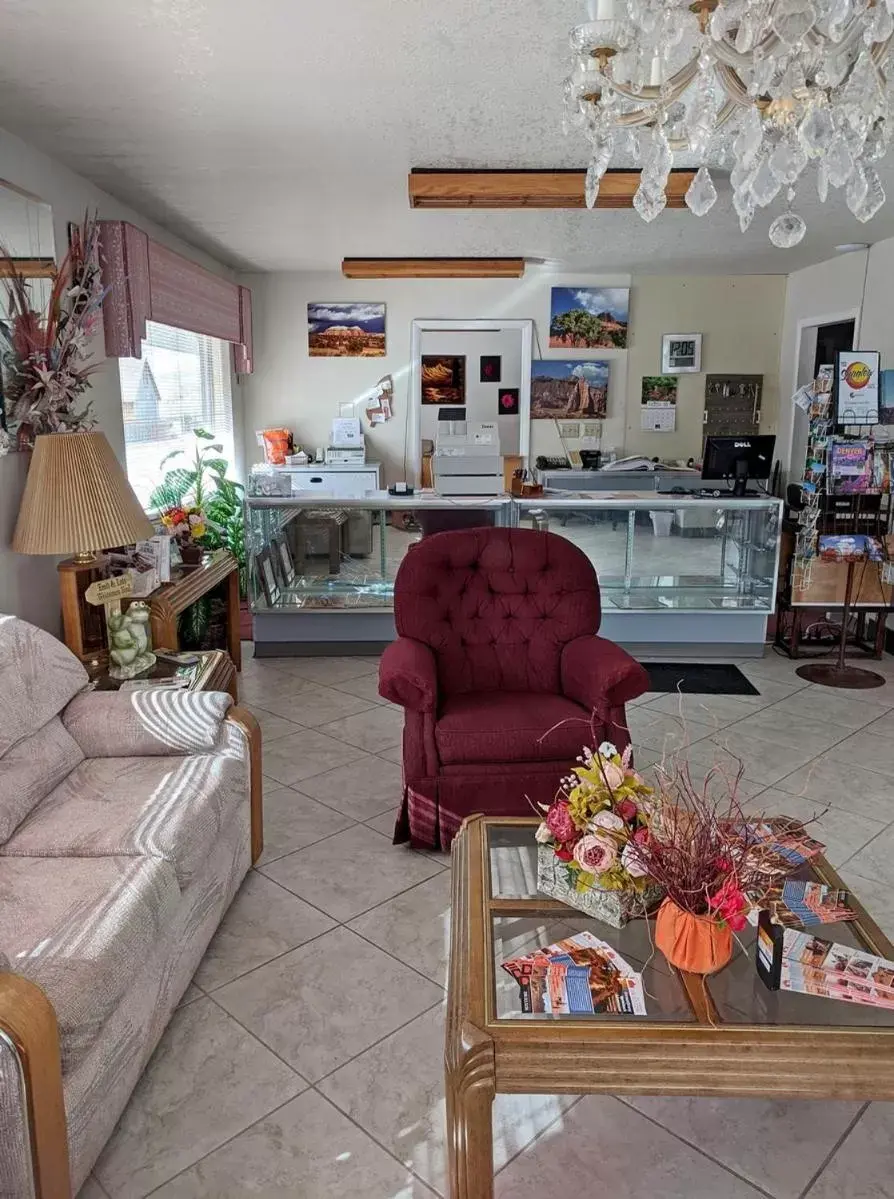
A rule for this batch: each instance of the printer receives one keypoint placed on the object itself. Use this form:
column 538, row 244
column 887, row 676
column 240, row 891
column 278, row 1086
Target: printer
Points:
column 347, row 445
column 467, row 458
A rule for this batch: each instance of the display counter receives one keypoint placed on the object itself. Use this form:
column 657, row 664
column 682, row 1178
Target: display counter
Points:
column 676, row 573
column 313, row 592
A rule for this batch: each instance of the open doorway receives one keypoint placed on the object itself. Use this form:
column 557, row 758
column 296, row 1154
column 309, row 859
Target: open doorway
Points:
column 819, row 338
column 831, row 340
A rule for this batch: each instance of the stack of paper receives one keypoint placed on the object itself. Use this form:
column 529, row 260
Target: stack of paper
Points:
column 799, row 903
column 816, row 967
column 578, row 976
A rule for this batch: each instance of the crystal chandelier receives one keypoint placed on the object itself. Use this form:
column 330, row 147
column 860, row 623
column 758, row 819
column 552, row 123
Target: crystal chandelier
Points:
column 764, row 88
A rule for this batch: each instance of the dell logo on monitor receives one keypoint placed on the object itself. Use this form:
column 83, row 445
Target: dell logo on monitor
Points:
column 742, row 445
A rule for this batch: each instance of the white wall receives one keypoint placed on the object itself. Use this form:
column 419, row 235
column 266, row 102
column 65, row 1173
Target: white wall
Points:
column 740, row 317
column 818, row 295
column 290, row 388
column 29, row 587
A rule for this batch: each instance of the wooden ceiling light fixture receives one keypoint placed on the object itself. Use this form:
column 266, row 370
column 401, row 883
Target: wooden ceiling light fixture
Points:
column 29, row 268
column 433, row 268
column 430, row 188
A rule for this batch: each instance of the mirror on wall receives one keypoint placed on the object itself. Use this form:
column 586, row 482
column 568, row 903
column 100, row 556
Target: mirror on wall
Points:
column 469, row 404
column 26, row 236
column 26, row 231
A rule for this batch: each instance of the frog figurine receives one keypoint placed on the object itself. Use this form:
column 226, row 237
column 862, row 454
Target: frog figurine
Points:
column 130, row 643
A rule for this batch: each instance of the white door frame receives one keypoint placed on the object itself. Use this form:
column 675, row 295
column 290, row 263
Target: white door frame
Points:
column 810, row 322
column 414, row 399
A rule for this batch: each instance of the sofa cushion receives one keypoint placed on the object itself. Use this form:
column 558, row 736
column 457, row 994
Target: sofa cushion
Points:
column 137, row 724
column 513, row 726
column 38, row 676
column 81, row 929
column 31, row 769
column 171, row 808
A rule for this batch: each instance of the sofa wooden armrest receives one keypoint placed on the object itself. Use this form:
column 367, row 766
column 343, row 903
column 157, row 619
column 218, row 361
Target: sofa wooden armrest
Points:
column 243, row 717
column 28, row 1021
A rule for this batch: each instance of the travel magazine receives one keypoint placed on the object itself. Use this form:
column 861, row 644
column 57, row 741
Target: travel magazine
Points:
column 580, row 975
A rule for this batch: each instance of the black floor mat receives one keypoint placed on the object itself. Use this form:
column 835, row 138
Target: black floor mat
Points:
column 699, row 678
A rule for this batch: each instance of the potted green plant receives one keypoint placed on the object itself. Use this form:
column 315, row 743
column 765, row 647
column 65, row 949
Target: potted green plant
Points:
column 202, row 486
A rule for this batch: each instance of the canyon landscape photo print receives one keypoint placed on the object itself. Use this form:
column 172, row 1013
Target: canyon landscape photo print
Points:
column 346, row 330
column 589, row 318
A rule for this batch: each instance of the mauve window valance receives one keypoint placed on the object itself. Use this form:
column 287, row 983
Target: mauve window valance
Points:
column 149, row 282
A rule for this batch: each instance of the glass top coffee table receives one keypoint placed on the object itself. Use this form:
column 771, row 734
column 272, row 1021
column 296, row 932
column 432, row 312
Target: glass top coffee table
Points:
column 724, row 1034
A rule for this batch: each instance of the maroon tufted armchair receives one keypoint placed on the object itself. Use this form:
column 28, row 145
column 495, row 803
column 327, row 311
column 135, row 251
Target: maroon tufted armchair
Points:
column 501, row 675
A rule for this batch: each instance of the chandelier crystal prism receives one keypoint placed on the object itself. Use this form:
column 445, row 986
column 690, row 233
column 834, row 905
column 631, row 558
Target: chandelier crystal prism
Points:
column 767, row 89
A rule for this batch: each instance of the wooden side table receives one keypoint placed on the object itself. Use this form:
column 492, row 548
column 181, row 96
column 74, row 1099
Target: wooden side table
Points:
column 170, row 599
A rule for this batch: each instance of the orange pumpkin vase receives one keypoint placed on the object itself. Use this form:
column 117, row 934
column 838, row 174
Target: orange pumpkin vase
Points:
column 696, row 944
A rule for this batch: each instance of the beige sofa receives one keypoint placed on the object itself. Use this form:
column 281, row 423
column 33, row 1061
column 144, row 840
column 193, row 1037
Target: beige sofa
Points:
column 127, row 822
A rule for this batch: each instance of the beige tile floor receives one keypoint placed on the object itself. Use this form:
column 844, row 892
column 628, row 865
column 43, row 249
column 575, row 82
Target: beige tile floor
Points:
column 306, row 1058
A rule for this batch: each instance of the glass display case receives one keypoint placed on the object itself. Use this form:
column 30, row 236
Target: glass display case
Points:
column 672, row 569
column 664, row 552
column 314, row 580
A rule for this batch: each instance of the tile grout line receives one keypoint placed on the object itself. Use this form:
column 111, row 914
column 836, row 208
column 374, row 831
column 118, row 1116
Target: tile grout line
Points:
column 370, row 753
column 543, row 1131
column 376, row 1043
column 341, row 832
column 228, row 1141
column 365, row 1131
column 701, row 1152
column 326, row 836
column 727, row 728
column 838, row 1144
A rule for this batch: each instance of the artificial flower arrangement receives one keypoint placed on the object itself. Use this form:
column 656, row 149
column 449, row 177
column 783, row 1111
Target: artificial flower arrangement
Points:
column 586, row 841
column 187, row 524
column 185, row 521
column 46, row 368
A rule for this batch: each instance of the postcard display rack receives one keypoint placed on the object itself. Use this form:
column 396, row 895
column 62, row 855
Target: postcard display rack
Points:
column 659, row 587
column 837, row 586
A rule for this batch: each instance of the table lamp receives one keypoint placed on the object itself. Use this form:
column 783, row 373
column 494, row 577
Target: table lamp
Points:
column 78, row 501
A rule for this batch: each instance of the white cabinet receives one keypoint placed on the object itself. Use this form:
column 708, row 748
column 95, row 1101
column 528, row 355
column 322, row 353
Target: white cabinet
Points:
column 335, row 480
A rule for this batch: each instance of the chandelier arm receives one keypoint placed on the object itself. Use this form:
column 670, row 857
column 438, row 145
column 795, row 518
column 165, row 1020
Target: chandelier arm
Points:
column 671, row 90
column 734, row 87
column 879, row 53
column 680, row 145
column 731, row 57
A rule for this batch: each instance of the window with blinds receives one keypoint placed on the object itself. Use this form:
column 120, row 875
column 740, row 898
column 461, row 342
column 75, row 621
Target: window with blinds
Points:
column 181, row 383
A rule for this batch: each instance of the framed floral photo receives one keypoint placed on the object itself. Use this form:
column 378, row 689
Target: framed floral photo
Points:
column 267, row 577
column 282, row 558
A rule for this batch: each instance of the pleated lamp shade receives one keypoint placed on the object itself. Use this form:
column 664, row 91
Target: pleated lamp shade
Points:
column 77, row 498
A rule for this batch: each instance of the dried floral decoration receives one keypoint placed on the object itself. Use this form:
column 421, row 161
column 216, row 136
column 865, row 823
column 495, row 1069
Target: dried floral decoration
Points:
column 45, row 366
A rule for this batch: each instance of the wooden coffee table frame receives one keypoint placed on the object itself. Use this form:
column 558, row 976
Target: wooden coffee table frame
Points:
column 485, row 1055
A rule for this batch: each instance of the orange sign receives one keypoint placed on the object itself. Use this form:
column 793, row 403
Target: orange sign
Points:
column 857, row 375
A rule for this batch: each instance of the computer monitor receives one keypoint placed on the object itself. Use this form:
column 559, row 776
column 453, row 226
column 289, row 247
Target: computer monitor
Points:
column 738, row 459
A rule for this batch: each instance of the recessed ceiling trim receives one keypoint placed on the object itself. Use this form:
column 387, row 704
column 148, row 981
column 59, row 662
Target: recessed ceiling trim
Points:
column 433, row 268
column 433, row 188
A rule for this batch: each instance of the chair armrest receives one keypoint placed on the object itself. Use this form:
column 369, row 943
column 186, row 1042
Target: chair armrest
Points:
column 146, row 723
column 28, row 1021
column 408, row 675
column 600, row 675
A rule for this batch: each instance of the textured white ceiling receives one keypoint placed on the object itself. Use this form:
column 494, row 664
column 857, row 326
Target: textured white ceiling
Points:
column 278, row 134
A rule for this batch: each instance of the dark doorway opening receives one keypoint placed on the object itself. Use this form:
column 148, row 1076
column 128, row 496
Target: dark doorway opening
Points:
column 830, row 339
